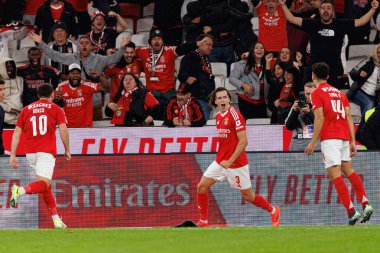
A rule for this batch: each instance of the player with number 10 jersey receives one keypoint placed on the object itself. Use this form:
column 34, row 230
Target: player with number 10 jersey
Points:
column 39, row 121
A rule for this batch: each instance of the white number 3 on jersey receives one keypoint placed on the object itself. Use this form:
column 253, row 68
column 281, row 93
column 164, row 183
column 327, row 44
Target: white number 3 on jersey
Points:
column 337, row 107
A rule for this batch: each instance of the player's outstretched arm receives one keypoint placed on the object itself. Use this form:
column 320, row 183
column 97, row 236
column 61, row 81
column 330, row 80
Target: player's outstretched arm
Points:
column 15, row 141
column 350, row 121
column 64, row 133
column 243, row 142
column 318, row 123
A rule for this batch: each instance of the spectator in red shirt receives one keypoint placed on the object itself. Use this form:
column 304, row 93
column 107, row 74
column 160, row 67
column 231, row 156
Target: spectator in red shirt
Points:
column 127, row 65
column 77, row 98
column 38, row 123
column 132, row 105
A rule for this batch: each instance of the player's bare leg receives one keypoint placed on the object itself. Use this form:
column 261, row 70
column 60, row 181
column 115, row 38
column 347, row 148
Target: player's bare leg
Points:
column 357, row 185
column 343, row 193
column 261, row 202
column 202, row 199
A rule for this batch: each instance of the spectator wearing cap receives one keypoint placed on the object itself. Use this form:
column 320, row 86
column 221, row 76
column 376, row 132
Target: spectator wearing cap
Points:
column 2, row 114
column 132, row 105
column 184, row 110
column 158, row 63
column 52, row 11
column 34, row 75
column 60, row 43
column 103, row 38
column 195, row 70
column 76, row 95
column 128, row 64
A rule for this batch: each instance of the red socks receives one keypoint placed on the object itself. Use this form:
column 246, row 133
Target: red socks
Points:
column 358, row 186
column 344, row 195
column 202, row 200
column 259, row 201
column 49, row 200
column 36, row 187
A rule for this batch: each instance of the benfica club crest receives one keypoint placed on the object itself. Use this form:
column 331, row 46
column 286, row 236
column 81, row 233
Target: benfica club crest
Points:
column 225, row 122
column 176, row 111
column 134, row 69
column 162, row 59
column 79, row 92
column 69, row 50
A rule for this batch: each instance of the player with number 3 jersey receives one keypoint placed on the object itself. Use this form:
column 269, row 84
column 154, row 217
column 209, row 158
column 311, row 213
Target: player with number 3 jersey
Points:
column 334, row 125
column 231, row 160
column 38, row 121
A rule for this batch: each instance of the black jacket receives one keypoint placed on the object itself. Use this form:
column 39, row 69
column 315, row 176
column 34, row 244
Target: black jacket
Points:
column 44, row 20
column 191, row 66
column 296, row 120
column 368, row 132
column 137, row 113
column 197, row 118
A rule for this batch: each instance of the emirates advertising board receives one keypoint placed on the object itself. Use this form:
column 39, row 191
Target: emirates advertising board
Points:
column 159, row 190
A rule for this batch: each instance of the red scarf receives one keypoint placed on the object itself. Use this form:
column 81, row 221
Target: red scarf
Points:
column 286, row 92
column 183, row 113
column 123, row 104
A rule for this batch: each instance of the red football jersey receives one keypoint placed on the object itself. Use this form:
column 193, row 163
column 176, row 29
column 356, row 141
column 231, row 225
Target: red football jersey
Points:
column 38, row 122
column 228, row 125
column 333, row 102
column 116, row 74
column 77, row 102
column 269, row 25
column 164, row 69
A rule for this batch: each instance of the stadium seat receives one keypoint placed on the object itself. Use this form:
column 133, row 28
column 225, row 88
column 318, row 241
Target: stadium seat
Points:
column 158, row 122
column 144, row 25
column 255, row 25
column 219, row 70
column 211, row 122
column 130, row 23
column 355, row 111
column 141, row 39
column 227, row 84
column 259, row 121
column 133, row 11
column 120, row 36
column 360, row 51
column 148, row 10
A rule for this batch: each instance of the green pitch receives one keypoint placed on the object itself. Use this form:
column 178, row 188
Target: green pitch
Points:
column 233, row 239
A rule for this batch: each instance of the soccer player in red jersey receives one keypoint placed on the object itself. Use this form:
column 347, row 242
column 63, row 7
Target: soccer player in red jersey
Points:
column 231, row 160
column 334, row 125
column 38, row 122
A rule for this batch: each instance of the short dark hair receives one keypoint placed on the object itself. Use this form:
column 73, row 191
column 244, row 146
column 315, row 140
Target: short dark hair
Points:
column 328, row 2
column 131, row 44
column 33, row 49
column 213, row 95
column 204, row 35
column 45, row 90
column 320, row 70
column 2, row 82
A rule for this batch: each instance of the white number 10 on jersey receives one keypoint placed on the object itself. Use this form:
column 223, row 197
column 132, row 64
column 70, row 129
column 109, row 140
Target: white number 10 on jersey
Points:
column 337, row 107
column 42, row 124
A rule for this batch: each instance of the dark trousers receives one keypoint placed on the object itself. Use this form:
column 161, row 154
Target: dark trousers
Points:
column 252, row 111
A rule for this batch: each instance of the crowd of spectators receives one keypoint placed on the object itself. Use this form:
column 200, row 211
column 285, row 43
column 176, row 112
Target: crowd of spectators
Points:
column 76, row 51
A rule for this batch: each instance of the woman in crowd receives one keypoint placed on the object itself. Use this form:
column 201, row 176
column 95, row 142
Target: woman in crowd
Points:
column 249, row 78
column 133, row 105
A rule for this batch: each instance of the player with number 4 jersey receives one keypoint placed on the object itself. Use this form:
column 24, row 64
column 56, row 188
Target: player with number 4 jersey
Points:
column 38, row 121
column 334, row 125
column 231, row 160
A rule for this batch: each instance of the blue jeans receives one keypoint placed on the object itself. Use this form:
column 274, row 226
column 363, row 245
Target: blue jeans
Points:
column 364, row 101
column 206, row 109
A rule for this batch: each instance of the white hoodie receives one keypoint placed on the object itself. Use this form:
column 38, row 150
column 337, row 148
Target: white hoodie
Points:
column 12, row 94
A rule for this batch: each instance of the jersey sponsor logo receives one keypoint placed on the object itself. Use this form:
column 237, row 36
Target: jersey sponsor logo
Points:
column 74, row 102
column 327, row 33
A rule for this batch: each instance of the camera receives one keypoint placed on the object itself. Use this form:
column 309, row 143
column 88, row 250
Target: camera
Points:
column 302, row 100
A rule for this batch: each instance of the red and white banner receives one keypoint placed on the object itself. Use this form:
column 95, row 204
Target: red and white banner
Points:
column 158, row 140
